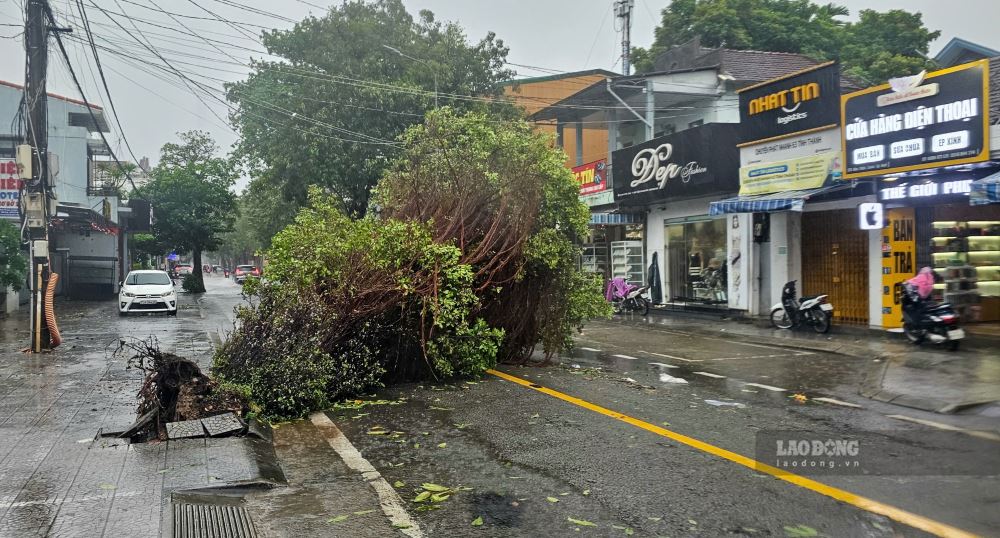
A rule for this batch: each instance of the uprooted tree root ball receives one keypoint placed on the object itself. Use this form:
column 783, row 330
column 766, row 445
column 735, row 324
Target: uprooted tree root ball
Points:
column 469, row 259
column 174, row 388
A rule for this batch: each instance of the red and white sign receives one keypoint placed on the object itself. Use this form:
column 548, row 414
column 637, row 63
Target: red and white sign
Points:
column 592, row 177
column 10, row 190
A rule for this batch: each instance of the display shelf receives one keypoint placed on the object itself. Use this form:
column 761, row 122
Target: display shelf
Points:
column 968, row 255
column 628, row 261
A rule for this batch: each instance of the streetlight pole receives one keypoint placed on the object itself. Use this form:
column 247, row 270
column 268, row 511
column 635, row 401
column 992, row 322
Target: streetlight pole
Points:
column 418, row 60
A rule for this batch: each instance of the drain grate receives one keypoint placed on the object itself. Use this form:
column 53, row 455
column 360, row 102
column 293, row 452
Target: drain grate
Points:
column 212, row 521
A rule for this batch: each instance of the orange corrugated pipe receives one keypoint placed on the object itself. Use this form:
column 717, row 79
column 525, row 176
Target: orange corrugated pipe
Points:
column 50, row 313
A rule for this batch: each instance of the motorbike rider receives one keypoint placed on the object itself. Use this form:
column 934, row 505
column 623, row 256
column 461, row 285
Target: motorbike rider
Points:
column 923, row 286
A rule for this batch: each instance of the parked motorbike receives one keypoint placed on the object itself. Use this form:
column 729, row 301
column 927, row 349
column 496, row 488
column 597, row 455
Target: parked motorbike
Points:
column 923, row 320
column 791, row 312
column 625, row 297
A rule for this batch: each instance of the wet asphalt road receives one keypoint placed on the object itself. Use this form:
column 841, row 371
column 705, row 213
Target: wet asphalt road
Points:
column 516, row 447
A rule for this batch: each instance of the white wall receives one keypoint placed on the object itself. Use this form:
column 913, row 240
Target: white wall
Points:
column 656, row 230
column 785, row 261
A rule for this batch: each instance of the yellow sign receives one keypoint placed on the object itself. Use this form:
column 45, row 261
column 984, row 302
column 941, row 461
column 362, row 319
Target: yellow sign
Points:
column 791, row 175
column 899, row 253
column 788, row 99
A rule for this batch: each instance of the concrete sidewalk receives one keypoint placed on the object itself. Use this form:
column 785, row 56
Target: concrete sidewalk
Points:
column 57, row 476
column 926, row 377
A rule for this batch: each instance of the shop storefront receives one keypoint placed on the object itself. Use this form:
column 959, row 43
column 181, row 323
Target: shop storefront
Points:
column 672, row 179
column 613, row 247
column 791, row 182
column 926, row 141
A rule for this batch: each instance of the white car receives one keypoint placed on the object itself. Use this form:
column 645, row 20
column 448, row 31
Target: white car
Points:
column 147, row 291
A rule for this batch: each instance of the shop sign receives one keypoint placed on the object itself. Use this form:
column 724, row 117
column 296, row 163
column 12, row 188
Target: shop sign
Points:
column 790, row 104
column 923, row 121
column 10, row 190
column 870, row 216
column 793, row 147
column 592, row 177
column 791, row 175
column 899, row 255
column 690, row 163
column 603, row 198
column 905, row 191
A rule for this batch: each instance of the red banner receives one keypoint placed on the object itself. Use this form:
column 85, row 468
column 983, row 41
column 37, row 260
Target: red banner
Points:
column 592, row 177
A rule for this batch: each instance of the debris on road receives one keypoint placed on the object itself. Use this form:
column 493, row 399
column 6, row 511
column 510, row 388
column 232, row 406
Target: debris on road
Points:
column 718, row 403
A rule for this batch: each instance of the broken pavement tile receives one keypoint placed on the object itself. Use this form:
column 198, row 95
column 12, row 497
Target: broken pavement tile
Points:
column 185, row 429
column 222, row 424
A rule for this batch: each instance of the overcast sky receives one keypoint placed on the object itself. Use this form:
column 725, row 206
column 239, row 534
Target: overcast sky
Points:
column 564, row 35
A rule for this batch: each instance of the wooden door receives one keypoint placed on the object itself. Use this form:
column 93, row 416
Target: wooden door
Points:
column 835, row 262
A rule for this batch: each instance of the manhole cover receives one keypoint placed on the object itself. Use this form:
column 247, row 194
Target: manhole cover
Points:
column 212, row 521
column 185, row 429
column 222, row 424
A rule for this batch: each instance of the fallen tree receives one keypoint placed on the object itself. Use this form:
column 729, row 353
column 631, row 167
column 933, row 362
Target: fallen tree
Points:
column 466, row 258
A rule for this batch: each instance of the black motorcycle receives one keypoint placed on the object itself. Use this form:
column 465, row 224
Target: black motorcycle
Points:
column 924, row 320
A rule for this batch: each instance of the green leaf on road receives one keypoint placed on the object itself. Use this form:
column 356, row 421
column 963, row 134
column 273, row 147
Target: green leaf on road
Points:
column 800, row 531
column 586, row 492
column 337, row 519
column 552, row 499
column 629, row 531
column 440, row 497
column 398, row 484
column 437, row 488
column 423, row 496
column 401, row 525
column 478, row 522
column 442, row 445
column 581, row 522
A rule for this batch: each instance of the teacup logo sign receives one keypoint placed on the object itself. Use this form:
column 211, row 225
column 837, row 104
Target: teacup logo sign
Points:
column 653, row 164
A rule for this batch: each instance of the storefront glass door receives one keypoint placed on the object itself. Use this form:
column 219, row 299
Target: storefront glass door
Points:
column 696, row 257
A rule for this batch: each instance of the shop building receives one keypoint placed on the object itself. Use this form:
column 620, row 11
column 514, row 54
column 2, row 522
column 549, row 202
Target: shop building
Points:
column 928, row 142
column 690, row 104
column 792, row 191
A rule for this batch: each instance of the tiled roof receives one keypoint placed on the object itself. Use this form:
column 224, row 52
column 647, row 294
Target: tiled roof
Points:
column 758, row 66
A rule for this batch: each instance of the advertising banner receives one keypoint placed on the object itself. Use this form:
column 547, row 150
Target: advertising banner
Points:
column 791, row 104
column 899, row 255
column 592, row 177
column 791, row 175
column 917, row 122
column 10, row 190
column 695, row 162
column 792, row 147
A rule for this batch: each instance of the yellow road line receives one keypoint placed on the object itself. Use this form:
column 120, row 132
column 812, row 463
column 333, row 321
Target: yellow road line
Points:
column 864, row 503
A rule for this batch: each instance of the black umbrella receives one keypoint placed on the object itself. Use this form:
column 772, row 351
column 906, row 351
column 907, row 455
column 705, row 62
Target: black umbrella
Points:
column 653, row 278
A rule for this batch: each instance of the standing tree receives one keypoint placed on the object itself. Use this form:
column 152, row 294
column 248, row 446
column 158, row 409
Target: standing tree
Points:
column 191, row 198
column 13, row 262
column 879, row 45
column 329, row 113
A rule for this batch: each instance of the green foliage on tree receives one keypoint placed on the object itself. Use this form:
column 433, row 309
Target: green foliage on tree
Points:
column 144, row 246
column 328, row 114
column 191, row 199
column 13, row 261
column 467, row 259
column 877, row 46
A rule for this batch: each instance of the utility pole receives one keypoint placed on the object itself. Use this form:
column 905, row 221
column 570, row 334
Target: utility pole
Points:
column 37, row 190
column 623, row 11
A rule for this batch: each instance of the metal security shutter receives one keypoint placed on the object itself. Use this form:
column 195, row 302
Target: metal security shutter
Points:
column 835, row 262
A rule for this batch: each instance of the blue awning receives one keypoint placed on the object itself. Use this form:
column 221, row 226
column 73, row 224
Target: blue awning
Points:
column 986, row 190
column 617, row 218
column 767, row 203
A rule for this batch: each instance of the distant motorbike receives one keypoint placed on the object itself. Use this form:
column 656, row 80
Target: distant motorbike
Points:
column 923, row 320
column 625, row 297
column 791, row 312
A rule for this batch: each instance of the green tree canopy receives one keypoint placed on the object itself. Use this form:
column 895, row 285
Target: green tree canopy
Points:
column 877, row 46
column 191, row 198
column 329, row 113
column 13, row 262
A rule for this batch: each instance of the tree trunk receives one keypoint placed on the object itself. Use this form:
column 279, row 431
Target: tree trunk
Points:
column 198, row 286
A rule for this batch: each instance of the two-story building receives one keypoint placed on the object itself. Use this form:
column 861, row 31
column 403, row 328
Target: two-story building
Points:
column 86, row 239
